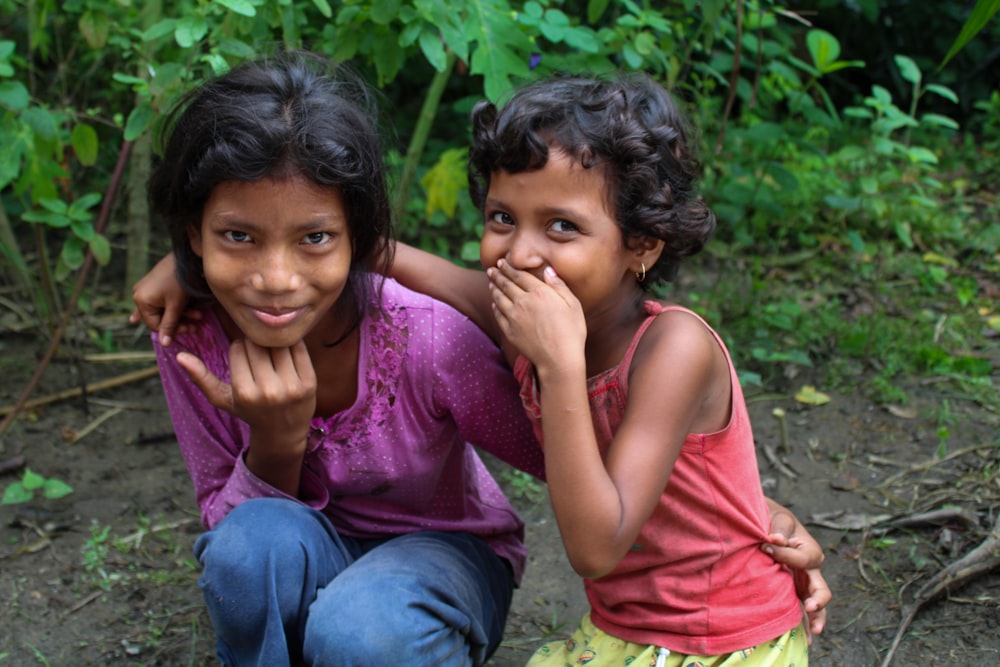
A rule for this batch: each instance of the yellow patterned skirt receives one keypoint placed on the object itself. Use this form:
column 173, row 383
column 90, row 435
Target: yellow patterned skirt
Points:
column 596, row 648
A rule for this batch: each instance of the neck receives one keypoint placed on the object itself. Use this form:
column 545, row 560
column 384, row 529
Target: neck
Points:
column 610, row 332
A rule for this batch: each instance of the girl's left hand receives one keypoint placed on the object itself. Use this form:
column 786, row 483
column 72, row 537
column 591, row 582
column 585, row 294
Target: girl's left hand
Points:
column 542, row 319
column 791, row 544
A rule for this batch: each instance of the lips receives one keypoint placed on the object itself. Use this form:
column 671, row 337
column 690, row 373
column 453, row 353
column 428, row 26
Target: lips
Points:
column 275, row 317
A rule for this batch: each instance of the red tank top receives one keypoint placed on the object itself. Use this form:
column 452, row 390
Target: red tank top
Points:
column 695, row 581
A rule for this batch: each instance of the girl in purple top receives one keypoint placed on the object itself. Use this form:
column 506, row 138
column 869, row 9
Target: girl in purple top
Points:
column 327, row 416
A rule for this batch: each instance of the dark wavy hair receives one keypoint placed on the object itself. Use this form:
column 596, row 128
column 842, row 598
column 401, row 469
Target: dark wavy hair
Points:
column 630, row 128
column 293, row 114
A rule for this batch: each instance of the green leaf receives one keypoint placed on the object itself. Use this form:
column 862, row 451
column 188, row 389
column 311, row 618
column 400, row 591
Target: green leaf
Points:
column 101, row 249
column 83, row 229
column 94, row 27
column 56, row 488
column 84, row 141
column 14, row 95
column 595, row 9
column 921, row 154
column 785, row 179
column 78, row 209
column 57, row 206
column 433, row 49
column 908, row 69
column 32, row 480
column 16, row 494
column 470, row 251
column 981, row 14
column 43, row 122
column 241, row 7
column 72, row 254
column 824, row 49
column 384, row 11
column 189, row 31
column 939, row 121
column 942, row 91
column 159, row 29
column 7, row 48
column 444, row 181
column 138, row 121
column 324, row 8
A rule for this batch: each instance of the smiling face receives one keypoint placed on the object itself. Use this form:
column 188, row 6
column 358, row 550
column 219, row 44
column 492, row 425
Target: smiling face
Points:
column 276, row 255
column 558, row 216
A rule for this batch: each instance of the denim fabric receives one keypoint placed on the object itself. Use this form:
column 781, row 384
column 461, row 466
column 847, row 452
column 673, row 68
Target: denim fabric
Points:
column 283, row 588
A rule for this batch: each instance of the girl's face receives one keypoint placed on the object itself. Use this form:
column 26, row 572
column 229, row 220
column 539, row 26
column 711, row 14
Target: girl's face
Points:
column 558, row 216
column 276, row 255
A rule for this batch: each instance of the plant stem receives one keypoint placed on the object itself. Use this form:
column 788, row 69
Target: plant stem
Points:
column 81, row 279
column 420, row 133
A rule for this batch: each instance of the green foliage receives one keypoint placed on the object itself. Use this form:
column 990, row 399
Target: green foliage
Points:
column 30, row 484
column 981, row 14
column 826, row 209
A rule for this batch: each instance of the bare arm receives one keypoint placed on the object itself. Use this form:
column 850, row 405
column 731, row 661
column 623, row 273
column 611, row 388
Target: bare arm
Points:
column 465, row 290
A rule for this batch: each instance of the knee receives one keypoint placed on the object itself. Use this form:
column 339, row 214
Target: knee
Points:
column 255, row 530
column 385, row 620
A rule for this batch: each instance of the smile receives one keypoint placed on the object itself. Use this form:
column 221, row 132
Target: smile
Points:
column 275, row 317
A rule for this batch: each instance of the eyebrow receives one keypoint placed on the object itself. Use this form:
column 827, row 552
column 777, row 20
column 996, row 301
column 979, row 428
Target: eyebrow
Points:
column 319, row 223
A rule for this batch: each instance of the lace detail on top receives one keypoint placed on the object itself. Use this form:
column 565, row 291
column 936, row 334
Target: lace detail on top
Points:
column 383, row 344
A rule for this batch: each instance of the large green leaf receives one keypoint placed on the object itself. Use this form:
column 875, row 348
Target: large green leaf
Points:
column 981, row 14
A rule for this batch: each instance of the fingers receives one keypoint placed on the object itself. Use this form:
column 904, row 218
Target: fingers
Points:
column 270, row 376
column 815, row 598
column 782, row 527
column 218, row 393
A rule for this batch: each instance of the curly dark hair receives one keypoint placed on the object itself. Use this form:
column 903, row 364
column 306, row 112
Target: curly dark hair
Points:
column 629, row 127
column 293, row 114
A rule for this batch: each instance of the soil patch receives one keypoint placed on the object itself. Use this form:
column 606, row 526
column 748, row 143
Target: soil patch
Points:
column 105, row 575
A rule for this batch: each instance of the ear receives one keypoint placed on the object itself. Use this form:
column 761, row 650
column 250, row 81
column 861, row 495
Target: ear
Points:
column 646, row 253
column 194, row 238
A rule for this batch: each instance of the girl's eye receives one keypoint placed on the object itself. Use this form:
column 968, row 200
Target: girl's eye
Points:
column 500, row 218
column 316, row 238
column 237, row 236
column 564, row 226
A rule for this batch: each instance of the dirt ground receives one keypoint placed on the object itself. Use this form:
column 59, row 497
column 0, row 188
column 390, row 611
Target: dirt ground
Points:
column 105, row 575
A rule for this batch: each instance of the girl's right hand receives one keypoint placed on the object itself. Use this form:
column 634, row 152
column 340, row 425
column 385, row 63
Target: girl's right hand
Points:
column 273, row 390
column 160, row 301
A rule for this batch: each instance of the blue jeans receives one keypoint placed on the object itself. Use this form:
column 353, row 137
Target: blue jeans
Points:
column 284, row 588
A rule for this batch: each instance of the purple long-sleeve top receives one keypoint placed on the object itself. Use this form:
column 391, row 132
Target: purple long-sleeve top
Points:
column 431, row 386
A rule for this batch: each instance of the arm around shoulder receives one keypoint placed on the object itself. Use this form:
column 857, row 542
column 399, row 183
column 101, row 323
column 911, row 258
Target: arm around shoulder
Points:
column 465, row 290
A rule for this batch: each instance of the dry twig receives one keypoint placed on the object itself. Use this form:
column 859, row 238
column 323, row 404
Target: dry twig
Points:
column 980, row 560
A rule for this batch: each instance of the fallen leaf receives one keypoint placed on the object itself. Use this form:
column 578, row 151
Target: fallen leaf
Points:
column 846, row 521
column 901, row 412
column 810, row 396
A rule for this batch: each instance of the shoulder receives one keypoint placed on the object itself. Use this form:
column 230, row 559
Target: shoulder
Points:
column 678, row 343
column 682, row 361
column 431, row 324
column 421, row 308
column 676, row 330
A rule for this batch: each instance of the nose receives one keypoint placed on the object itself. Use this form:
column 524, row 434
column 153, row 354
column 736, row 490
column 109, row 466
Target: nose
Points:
column 525, row 250
column 277, row 272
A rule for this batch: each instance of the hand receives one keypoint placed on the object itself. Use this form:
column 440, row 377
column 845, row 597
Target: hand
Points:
column 273, row 389
column 791, row 544
column 160, row 301
column 543, row 320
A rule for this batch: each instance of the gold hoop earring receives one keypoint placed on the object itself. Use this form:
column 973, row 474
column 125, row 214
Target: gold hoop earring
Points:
column 641, row 276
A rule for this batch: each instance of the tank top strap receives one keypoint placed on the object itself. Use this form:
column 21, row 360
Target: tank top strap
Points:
column 653, row 310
